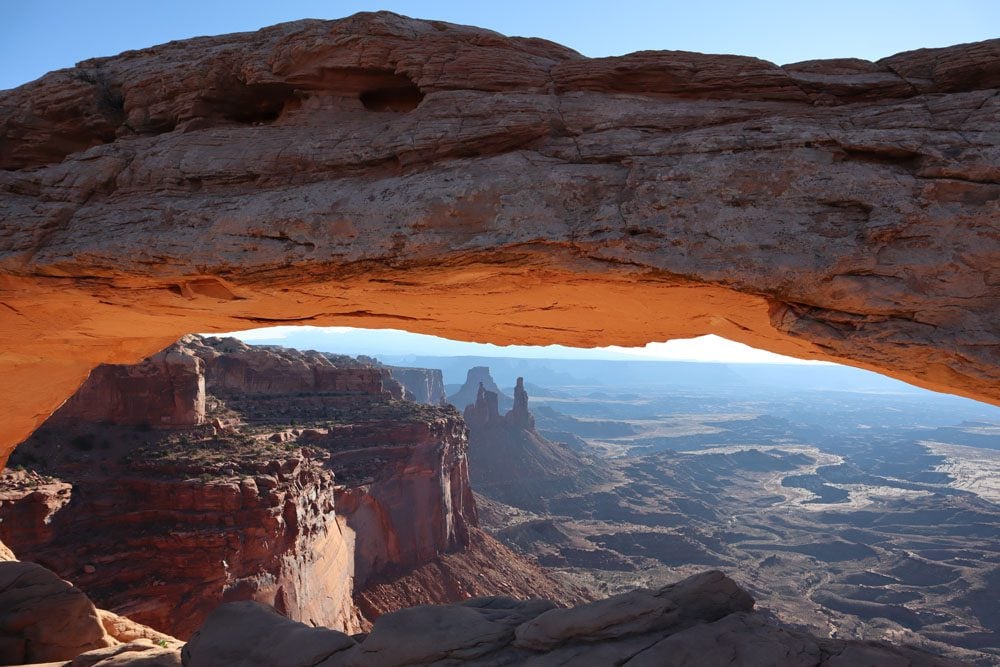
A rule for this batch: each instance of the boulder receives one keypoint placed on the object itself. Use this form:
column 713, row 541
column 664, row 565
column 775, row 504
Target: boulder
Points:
column 249, row 634
column 139, row 653
column 701, row 598
column 43, row 618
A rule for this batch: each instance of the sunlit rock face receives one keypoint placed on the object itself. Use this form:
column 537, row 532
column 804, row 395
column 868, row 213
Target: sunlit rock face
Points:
column 165, row 390
column 163, row 525
column 164, row 542
column 390, row 172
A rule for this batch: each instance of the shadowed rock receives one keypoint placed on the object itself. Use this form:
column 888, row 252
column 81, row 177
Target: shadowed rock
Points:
column 249, row 634
column 43, row 618
column 705, row 620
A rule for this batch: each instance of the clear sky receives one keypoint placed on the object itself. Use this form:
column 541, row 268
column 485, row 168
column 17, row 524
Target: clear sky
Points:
column 346, row 340
column 41, row 35
column 37, row 36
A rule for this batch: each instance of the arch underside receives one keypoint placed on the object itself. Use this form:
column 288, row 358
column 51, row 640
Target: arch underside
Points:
column 500, row 190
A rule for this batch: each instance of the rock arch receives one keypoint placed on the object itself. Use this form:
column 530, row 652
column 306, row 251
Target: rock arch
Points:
column 382, row 171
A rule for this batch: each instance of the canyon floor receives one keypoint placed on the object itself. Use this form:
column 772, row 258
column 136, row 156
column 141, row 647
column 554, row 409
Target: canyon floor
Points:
column 852, row 514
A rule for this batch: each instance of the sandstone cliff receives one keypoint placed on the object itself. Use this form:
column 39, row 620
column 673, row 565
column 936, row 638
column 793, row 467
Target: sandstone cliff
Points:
column 167, row 389
column 308, row 481
column 233, row 367
column 165, row 539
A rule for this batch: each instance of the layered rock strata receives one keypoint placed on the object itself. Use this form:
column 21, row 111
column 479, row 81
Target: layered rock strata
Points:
column 165, row 390
column 484, row 567
column 233, row 368
column 840, row 209
column 309, row 481
column 164, row 541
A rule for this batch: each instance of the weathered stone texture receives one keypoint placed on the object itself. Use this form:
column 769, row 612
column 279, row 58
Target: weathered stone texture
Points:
column 705, row 620
column 388, row 172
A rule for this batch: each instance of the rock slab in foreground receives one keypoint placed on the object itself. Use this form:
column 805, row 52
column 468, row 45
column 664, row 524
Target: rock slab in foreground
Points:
column 43, row 618
column 705, row 620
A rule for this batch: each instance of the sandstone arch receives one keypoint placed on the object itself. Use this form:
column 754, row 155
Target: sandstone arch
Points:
column 382, row 171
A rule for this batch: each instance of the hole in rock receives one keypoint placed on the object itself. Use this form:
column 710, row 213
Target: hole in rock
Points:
column 398, row 98
column 376, row 89
column 387, row 468
column 255, row 103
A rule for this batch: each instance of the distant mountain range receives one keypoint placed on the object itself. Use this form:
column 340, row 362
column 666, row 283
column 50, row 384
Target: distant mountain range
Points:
column 614, row 373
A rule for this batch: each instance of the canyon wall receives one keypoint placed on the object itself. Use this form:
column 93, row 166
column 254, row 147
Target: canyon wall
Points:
column 387, row 172
column 309, row 486
column 164, row 543
column 406, row 490
column 167, row 389
column 425, row 385
column 233, row 367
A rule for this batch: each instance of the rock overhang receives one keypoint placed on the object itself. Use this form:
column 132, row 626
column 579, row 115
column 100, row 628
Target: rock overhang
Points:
column 389, row 172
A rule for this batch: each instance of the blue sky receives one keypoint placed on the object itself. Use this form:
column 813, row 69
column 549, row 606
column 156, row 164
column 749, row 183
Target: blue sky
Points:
column 41, row 35
column 347, row 340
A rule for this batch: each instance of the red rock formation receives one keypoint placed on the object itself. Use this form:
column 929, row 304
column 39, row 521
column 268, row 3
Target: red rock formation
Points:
column 407, row 495
column 164, row 542
column 483, row 567
column 163, row 526
column 232, row 366
column 836, row 209
column 28, row 502
column 509, row 461
column 165, row 390
column 485, row 411
column 519, row 415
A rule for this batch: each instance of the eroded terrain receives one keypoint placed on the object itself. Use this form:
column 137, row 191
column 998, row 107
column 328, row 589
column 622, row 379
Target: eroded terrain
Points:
column 857, row 515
